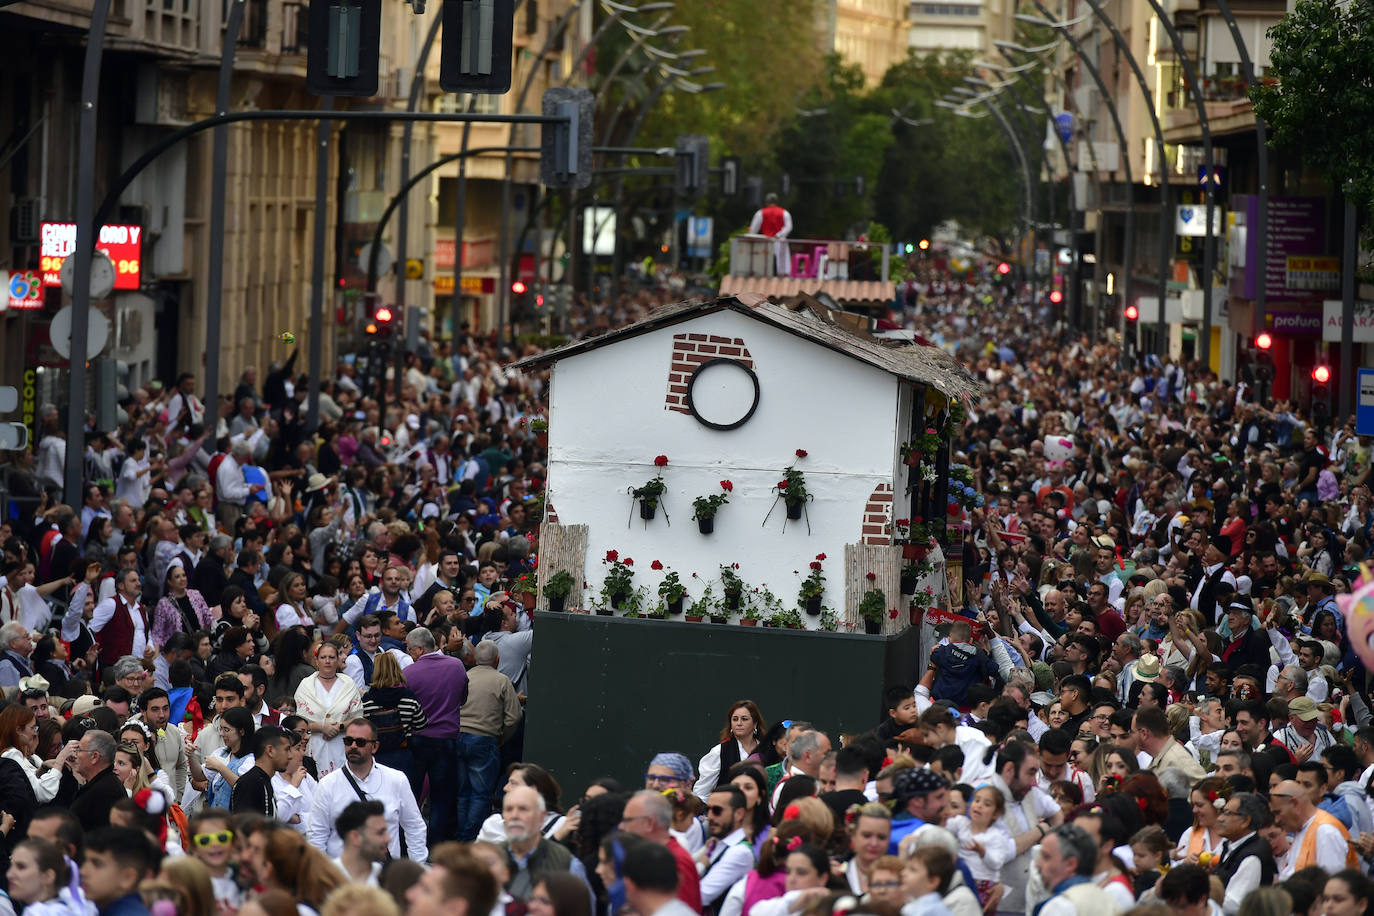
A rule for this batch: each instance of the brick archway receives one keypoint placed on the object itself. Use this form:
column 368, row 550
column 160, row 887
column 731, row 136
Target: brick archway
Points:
column 689, row 352
column 877, row 527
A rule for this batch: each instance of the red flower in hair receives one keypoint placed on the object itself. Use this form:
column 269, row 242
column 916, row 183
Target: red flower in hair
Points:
column 801, row 453
column 1144, row 804
column 791, row 812
column 887, row 762
column 655, row 565
column 661, row 461
column 794, row 844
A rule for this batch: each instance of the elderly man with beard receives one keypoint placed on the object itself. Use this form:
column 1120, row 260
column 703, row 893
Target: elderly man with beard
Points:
column 530, row 857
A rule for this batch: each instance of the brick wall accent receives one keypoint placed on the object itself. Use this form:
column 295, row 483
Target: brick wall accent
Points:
column 877, row 523
column 550, row 513
column 689, row 352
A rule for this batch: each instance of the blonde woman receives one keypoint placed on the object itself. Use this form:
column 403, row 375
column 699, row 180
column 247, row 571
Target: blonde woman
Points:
column 326, row 701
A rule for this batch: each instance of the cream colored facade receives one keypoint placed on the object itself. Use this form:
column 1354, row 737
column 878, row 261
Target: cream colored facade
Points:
column 869, row 33
column 959, row 25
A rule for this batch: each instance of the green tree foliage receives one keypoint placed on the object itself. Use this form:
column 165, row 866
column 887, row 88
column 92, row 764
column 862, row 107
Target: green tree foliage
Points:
column 1322, row 104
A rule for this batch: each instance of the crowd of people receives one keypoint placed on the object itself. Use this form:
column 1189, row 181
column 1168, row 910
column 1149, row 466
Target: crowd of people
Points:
column 252, row 668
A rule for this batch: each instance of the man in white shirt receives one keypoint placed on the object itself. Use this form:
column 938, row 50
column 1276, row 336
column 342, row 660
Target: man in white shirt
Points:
column 1330, row 849
column 1241, row 862
column 726, row 857
column 362, row 827
column 128, row 589
column 1214, row 573
column 363, row 779
column 134, row 482
column 230, row 486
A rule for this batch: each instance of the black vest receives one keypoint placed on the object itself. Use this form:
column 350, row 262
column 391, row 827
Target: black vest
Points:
column 729, row 756
column 1206, row 598
column 1256, row 846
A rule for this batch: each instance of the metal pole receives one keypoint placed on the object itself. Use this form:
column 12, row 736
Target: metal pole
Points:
column 1128, row 260
column 460, row 222
column 417, row 83
column 1350, row 251
column 219, row 180
column 86, row 233
column 322, row 155
column 1247, row 67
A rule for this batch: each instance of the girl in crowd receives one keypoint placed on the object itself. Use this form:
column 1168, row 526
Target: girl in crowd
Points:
column 984, row 843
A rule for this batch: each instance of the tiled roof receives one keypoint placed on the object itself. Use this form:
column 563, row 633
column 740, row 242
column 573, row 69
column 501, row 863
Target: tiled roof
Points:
column 916, row 362
column 782, row 287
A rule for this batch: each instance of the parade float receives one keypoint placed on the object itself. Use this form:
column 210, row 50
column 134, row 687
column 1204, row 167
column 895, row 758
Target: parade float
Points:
column 742, row 498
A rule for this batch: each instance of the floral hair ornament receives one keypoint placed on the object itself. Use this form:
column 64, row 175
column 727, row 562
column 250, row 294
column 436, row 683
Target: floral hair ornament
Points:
column 1144, row 804
column 791, row 812
column 851, row 815
column 794, row 844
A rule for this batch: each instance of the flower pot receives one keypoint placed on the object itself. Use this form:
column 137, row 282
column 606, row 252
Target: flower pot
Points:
column 909, row 551
column 647, row 509
column 794, row 510
column 813, row 605
column 675, row 607
column 769, row 625
column 909, row 584
column 919, row 551
column 719, row 618
column 706, row 525
column 915, row 616
column 746, row 622
column 541, row 439
column 732, row 601
column 619, row 599
column 556, row 604
column 692, row 618
column 873, row 627
column 527, row 599
column 604, row 612
column 912, row 460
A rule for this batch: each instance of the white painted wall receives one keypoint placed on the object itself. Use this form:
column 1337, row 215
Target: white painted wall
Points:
column 607, row 421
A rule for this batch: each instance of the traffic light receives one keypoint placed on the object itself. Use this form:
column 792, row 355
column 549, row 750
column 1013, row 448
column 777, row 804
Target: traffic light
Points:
column 381, row 319
column 909, row 248
column 730, row 176
column 476, row 51
column 1056, row 296
column 925, row 244
column 1321, row 392
column 1132, row 313
column 692, row 165
column 565, row 158
column 1004, row 268
column 1264, row 341
column 344, row 47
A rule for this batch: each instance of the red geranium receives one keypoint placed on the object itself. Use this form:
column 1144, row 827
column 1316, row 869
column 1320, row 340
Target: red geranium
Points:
column 820, row 556
column 815, row 565
column 655, row 565
column 892, row 612
column 870, row 576
column 903, row 523
column 727, row 486
column 801, row 453
column 612, row 556
column 629, row 561
column 782, row 485
column 661, row 461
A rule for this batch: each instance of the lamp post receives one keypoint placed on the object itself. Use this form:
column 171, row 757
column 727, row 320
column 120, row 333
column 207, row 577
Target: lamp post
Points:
column 1128, row 259
column 1165, row 231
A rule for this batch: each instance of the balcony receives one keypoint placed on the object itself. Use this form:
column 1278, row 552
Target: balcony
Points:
column 850, row 272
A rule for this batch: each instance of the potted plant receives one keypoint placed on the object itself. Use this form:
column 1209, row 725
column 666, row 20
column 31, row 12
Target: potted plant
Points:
column 671, row 590
column 704, row 508
column 912, row 573
column 526, row 586
column 792, row 488
column 660, row 612
column 788, row 619
column 618, row 585
column 830, row 621
column 871, row 609
column 540, row 427
column 813, row 587
column 767, row 605
column 649, row 494
column 701, row 607
column 732, row 585
column 919, row 602
column 750, row 616
column 557, row 589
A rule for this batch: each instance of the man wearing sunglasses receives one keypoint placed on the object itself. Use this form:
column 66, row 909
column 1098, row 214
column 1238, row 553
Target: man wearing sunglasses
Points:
column 363, row 779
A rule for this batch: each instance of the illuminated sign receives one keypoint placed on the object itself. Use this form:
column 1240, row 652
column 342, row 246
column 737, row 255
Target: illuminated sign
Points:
column 124, row 245
column 24, row 290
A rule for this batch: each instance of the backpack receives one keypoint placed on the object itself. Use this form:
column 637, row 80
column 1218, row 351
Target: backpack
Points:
column 391, row 734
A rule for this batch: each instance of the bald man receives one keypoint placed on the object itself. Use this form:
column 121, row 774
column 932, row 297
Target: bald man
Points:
column 1318, row 838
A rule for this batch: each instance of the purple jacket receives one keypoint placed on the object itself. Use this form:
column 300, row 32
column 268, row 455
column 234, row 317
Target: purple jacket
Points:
column 167, row 617
column 440, row 683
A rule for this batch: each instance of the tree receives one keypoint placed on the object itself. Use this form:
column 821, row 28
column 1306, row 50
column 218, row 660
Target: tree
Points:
column 1322, row 55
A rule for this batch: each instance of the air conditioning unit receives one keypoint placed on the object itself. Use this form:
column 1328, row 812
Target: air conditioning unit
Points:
column 24, row 220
